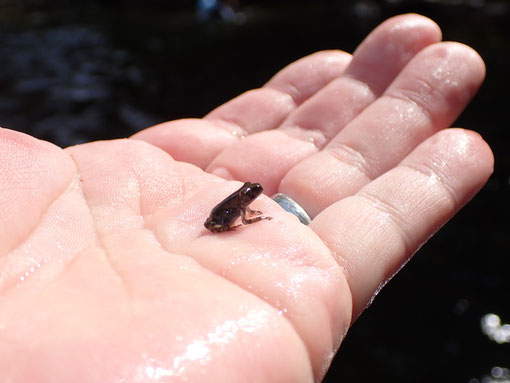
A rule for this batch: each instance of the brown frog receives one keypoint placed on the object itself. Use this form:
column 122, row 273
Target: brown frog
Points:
column 224, row 215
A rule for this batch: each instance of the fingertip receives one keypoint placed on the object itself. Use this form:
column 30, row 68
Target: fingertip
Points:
column 466, row 57
column 410, row 28
column 460, row 157
column 413, row 21
column 474, row 148
column 306, row 76
column 388, row 49
column 196, row 141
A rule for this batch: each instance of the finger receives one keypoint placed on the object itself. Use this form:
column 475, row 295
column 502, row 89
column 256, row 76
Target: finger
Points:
column 265, row 108
column 195, row 141
column 199, row 141
column 373, row 233
column 267, row 156
column 427, row 96
column 375, row 64
column 305, row 77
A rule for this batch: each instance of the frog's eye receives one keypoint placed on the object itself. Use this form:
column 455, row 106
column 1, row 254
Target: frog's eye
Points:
column 250, row 192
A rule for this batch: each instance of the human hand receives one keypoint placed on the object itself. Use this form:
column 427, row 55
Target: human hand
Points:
column 108, row 274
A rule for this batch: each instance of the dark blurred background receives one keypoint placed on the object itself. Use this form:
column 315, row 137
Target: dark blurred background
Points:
column 71, row 73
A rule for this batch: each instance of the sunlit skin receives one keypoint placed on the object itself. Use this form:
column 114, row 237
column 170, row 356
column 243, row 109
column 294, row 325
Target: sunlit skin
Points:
column 107, row 273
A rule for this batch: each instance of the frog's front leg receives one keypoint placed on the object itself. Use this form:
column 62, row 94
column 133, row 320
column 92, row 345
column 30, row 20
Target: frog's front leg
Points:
column 247, row 220
column 253, row 212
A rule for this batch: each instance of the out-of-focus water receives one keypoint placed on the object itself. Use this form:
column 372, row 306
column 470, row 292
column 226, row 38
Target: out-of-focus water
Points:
column 68, row 83
column 70, row 75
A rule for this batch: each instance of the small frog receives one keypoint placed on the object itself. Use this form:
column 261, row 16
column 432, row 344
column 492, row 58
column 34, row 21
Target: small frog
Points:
column 224, row 215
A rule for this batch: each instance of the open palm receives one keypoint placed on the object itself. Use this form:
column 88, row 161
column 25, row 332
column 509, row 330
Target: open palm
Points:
column 107, row 273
